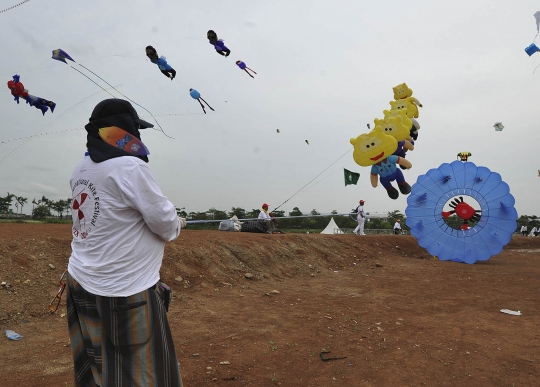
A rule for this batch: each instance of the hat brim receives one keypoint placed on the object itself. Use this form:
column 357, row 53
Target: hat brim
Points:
column 143, row 124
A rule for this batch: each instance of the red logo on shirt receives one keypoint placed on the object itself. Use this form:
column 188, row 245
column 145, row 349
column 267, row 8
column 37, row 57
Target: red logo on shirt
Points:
column 76, row 204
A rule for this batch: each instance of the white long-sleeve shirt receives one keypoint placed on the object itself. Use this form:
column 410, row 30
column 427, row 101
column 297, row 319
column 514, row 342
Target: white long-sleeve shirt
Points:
column 121, row 221
column 264, row 215
column 397, row 225
column 360, row 213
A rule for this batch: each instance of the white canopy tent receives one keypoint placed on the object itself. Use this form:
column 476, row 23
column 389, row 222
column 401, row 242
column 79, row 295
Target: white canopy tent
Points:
column 332, row 228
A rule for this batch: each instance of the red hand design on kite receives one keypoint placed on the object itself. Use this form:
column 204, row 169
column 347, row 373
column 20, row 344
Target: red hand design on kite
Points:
column 464, row 211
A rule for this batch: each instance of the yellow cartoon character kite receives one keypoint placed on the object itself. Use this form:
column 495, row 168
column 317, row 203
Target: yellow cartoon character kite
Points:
column 376, row 149
column 403, row 91
column 406, row 118
column 394, row 127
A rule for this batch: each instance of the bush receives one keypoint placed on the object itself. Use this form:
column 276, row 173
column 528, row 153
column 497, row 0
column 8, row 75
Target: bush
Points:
column 41, row 212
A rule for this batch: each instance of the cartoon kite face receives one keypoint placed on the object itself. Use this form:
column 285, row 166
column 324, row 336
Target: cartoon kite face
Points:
column 402, row 91
column 397, row 126
column 373, row 147
column 405, row 103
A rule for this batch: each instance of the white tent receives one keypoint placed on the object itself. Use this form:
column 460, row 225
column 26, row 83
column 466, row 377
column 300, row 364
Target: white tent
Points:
column 332, row 228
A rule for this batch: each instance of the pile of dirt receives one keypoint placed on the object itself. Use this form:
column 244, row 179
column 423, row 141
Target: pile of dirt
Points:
column 259, row 309
column 34, row 256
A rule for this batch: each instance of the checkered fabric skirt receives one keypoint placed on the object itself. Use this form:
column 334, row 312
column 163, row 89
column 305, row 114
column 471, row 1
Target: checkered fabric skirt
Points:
column 120, row 341
column 254, row 226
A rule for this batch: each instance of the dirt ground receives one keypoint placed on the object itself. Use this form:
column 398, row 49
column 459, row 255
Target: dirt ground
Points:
column 396, row 315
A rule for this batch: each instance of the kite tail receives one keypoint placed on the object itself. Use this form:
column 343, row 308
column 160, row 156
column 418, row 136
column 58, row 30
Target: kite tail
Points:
column 125, row 96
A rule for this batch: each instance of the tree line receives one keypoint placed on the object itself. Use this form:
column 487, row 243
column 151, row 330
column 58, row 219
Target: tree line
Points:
column 41, row 208
column 528, row 220
column 44, row 208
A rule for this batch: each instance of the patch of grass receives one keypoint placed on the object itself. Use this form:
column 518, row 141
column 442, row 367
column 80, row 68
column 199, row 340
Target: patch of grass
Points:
column 57, row 221
column 274, row 378
column 273, row 346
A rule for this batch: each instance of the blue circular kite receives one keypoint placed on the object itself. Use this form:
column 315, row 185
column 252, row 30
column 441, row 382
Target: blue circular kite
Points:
column 454, row 185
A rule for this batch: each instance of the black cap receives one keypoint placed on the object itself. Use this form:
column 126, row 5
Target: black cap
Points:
column 112, row 112
column 109, row 108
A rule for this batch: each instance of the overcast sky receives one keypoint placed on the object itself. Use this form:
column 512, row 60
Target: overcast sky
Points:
column 324, row 70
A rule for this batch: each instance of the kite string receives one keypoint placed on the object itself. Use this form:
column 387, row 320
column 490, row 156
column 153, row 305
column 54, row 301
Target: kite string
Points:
column 80, row 72
column 16, row 5
column 534, row 41
column 312, row 179
column 5, row 156
column 128, row 99
column 39, row 134
column 324, row 178
column 67, row 130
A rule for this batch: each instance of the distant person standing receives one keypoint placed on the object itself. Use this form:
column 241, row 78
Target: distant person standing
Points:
column 360, row 218
column 397, row 227
column 524, row 230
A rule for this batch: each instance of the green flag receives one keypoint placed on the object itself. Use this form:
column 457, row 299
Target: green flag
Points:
column 351, row 177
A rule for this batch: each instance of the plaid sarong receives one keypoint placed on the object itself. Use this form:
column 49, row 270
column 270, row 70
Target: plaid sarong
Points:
column 254, row 226
column 120, row 341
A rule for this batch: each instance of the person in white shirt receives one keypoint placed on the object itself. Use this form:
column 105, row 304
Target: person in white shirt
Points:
column 267, row 218
column 116, row 305
column 533, row 232
column 524, row 230
column 360, row 218
column 397, row 227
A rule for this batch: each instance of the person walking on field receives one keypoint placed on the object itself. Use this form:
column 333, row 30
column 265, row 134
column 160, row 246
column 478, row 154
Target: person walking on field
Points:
column 524, row 230
column 116, row 305
column 360, row 218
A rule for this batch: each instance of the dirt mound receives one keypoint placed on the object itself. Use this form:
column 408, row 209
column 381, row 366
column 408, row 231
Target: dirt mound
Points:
column 270, row 304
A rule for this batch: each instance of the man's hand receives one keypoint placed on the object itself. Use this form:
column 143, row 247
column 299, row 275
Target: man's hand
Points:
column 182, row 221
